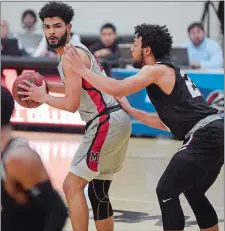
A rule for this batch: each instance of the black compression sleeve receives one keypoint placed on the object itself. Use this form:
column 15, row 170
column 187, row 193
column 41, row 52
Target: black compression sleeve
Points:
column 51, row 204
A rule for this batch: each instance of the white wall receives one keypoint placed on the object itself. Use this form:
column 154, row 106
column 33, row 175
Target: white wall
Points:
column 89, row 16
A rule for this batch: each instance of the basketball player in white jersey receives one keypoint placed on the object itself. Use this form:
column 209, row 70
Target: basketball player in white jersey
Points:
column 108, row 128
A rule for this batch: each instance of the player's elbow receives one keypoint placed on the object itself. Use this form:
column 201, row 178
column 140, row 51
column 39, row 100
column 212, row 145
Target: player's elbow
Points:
column 72, row 107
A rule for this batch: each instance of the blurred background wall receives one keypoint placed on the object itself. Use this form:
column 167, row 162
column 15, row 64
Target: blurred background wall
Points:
column 89, row 16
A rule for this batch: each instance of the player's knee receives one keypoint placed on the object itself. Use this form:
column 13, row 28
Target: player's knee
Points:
column 66, row 187
column 165, row 192
column 98, row 195
column 162, row 190
column 73, row 184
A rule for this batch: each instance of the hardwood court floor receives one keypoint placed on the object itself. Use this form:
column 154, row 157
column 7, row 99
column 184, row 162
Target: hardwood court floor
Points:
column 133, row 190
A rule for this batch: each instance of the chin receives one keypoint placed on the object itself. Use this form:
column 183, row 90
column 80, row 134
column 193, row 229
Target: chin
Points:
column 53, row 45
column 137, row 65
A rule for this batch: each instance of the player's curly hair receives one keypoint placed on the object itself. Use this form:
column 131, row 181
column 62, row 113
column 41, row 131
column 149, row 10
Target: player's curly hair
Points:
column 57, row 9
column 155, row 36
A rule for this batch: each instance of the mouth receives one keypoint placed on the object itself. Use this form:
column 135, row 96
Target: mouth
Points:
column 52, row 39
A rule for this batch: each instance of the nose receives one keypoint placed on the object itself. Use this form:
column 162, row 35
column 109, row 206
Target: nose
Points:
column 51, row 31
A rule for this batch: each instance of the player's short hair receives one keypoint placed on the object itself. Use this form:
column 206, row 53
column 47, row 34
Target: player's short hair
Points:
column 196, row 24
column 57, row 9
column 155, row 36
column 108, row 25
column 30, row 12
column 7, row 106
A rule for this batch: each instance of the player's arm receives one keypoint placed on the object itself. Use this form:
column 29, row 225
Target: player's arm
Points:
column 56, row 87
column 116, row 88
column 119, row 88
column 150, row 119
column 28, row 170
column 71, row 100
column 73, row 85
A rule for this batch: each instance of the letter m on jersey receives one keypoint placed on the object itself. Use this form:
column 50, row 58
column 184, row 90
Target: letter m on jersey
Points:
column 94, row 156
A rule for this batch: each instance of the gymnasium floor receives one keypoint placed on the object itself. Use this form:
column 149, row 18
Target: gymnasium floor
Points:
column 133, row 191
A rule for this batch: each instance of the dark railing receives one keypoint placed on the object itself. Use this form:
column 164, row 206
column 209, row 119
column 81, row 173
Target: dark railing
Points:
column 46, row 63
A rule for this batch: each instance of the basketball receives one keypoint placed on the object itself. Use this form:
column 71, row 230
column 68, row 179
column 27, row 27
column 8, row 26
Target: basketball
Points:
column 32, row 77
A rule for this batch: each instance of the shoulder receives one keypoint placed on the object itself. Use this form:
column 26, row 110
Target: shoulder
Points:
column 211, row 42
column 23, row 159
column 154, row 73
column 157, row 69
column 83, row 55
column 25, row 167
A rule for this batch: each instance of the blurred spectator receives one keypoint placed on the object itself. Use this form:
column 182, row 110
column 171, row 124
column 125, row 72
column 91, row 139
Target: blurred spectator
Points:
column 30, row 39
column 203, row 52
column 6, row 34
column 4, row 29
column 107, row 48
column 29, row 20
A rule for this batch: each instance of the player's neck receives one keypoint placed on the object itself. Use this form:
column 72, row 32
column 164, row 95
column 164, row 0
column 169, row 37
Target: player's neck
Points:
column 6, row 136
column 150, row 61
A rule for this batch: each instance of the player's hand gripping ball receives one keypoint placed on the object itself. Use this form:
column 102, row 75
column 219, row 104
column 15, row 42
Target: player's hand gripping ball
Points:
column 28, row 83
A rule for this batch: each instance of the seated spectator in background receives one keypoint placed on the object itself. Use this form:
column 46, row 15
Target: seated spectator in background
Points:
column 6, row 34
column 203, row 52
column 107, row 48
column 29, row 20
column 29, row 37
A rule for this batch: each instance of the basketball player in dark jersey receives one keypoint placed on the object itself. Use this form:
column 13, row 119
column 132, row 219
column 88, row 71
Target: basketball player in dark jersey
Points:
column 181, row 109
column 28, row 200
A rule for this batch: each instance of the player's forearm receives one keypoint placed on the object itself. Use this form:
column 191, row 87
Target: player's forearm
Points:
column 107, row 85
column 60, row 103
column 150, row 119
column 56, row 87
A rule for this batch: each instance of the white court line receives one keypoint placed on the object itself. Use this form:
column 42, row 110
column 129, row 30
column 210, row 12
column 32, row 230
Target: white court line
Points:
column 151, row 202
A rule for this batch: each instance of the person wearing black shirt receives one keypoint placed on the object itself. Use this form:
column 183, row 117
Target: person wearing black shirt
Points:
column 28, row 200
column 182, row 109
column 107, row 49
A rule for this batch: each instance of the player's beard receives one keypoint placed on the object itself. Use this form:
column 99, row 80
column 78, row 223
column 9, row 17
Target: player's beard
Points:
column 139, row 63
column 61, row 42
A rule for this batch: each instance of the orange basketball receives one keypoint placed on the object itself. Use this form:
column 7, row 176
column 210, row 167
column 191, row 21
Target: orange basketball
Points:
column 32, row 77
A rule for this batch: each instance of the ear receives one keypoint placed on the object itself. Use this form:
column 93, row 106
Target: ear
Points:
column 148, row 50
column 69, row 27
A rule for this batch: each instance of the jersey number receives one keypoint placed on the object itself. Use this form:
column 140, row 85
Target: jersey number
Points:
column 194, row 91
